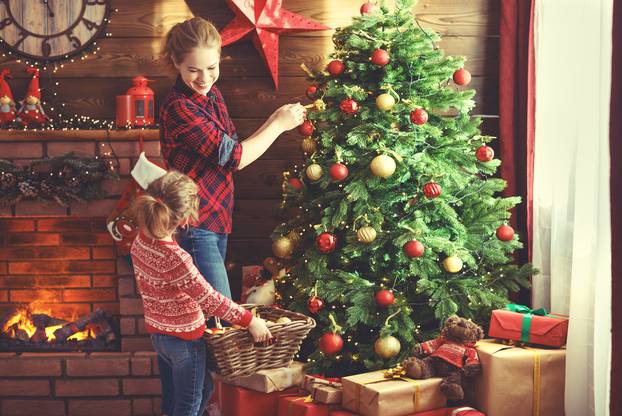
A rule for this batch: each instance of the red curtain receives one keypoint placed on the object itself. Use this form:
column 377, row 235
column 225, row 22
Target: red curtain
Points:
column 615, row 145
column 516, row 109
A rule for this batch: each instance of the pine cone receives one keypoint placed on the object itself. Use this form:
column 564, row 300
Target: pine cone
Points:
column 7, row 181
column 28, row 189
column 73, row 182
column 47, row 189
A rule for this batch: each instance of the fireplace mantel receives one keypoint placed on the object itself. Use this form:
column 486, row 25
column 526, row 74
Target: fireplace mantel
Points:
column 77, row 135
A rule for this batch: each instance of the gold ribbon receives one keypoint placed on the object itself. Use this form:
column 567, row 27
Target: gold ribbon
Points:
column 537, row 381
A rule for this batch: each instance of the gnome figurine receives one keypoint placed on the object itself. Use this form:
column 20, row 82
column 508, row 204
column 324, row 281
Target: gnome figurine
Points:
column 7, row 104
column 31, row 113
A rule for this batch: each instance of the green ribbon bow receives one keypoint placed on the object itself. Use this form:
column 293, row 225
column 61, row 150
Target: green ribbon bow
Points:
column 528, row 315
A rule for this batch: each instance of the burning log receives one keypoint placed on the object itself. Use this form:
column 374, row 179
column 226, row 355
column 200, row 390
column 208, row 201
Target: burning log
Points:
column 67, row 330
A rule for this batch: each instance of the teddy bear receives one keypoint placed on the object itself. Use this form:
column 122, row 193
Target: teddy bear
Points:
column 451, row 356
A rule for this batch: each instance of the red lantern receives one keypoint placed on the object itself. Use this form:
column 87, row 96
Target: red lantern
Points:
column 143, row 107
column 124, row 117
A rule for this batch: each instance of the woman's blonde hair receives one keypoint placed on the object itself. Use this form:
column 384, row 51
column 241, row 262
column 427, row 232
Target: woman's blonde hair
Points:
column 185, row 36
column 168, row 202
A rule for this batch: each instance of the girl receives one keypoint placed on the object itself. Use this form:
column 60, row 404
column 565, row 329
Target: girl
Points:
column 198, row 138
column 176, row 298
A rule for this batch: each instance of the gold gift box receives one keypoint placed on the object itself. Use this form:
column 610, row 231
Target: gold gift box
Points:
column 520, row 381
column 371, row 394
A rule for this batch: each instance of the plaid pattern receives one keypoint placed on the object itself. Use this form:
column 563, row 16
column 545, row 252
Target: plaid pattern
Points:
column 198, row 138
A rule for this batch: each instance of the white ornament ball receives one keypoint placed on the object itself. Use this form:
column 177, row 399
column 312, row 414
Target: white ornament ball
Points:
column 387, row 347
column 453, row 264
column 385, row 102
column 383, row 166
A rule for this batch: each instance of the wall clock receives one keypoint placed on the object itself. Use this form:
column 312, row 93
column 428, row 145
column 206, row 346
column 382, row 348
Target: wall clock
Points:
column 48, row 30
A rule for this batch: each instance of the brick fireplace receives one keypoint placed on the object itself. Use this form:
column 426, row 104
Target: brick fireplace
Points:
column 64, row 260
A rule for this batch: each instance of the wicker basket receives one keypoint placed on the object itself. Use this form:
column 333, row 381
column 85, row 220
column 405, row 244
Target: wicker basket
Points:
column 236, row 354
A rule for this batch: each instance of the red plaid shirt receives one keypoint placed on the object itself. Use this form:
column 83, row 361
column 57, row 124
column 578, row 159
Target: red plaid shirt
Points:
column 198, row 138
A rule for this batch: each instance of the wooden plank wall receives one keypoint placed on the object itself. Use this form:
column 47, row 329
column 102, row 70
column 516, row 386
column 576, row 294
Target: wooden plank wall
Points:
column 469, row 27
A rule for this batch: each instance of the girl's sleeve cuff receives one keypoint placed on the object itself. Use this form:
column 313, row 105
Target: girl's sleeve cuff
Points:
column 229, row 153
column 246, row 319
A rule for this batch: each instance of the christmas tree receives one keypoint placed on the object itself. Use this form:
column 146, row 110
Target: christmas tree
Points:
column 394, row 221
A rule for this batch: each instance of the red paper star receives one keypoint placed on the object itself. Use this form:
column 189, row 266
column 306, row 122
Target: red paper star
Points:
column 265, row 20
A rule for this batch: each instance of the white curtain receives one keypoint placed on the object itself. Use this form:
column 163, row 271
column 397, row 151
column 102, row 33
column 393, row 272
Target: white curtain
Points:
column 571, row 229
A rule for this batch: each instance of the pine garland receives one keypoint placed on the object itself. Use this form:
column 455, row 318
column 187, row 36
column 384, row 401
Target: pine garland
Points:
column 62, row 179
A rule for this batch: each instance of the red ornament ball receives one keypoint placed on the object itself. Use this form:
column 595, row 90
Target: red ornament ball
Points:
column 413, row 248
column 419, row 116
column 432, row 190
column 484, row 153
column 311, row 91
column 315, row 304
column 505, row 233
column 306, row 128
column 380, row 57
column 331, row 343
column 462, row 76
column 369, row 8
column 338, row 171
column 384, row 298
column 295, row 183
column 349, row 106
column 326, row 242
column 336, row 67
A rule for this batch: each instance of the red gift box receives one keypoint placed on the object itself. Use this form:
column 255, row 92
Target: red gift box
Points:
column 549, row 329
column 302, row 406
column 236, row 401
column 443, row 411
column 464, row 411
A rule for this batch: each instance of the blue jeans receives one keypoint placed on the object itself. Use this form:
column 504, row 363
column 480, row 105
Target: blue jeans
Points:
column 208, row 250
column 186, row 384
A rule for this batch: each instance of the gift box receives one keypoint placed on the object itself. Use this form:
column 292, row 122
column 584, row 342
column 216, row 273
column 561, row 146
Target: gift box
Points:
column 236, row 401
column 277, row 379
column 322, row 389
column 372, row 394
column 463, row 411
column 519, row 323
column 302, row 406
column 327, row 394
column 520, row 381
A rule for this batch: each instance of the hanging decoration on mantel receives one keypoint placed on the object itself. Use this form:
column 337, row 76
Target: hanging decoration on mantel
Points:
column 264, row 21
column 63, row 179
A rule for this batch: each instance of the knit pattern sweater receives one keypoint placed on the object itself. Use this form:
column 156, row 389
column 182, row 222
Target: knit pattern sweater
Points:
column 176, row 297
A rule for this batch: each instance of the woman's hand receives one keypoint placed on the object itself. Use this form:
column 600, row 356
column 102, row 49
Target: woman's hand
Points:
column 259, row 330
column 289, row 116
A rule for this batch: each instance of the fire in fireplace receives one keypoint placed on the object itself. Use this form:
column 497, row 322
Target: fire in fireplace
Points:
column 25, row 328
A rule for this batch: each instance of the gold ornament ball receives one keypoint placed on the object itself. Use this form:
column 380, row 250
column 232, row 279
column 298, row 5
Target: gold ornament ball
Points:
column 366, row 234
column 283, row 247
column 383, row 166
column 308, row 145
column 452, row 264
column 387, row 347
column 385, row 102
column 294, row 236
column 314, row 171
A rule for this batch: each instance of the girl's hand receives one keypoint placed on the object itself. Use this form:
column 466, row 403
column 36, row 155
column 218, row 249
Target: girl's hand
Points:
column 259, row 330
column 289, row 116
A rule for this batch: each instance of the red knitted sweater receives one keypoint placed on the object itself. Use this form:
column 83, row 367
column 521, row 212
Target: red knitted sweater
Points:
column 176, row 297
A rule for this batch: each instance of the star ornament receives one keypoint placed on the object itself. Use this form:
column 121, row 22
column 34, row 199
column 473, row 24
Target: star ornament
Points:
column 264, row 21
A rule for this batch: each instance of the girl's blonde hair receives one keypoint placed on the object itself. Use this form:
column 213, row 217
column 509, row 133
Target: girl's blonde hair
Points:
column 168, row 202
column 185, row 36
